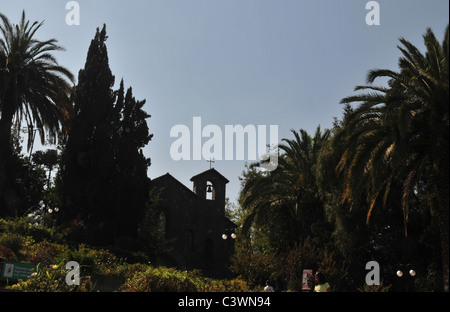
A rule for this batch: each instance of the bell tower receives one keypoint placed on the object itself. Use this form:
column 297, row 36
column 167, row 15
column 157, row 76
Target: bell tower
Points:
column 211, row 182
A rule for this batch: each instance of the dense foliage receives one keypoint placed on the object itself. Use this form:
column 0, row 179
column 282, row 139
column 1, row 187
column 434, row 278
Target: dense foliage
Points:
column 103, row 180
column 35, row 90
column 21, row 241
column 374, row 187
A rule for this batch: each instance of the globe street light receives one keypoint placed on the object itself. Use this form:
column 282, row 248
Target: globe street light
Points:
column 52, row 212
column 225, row 236
column 228, row 235
column 404, row 278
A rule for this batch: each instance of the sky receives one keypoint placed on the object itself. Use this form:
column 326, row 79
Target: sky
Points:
column 286, row 63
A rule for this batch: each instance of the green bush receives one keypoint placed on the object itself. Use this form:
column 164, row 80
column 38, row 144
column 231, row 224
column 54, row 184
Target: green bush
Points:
column 307, row 255
column 25, row 226
column 18, row 226
column 163, row 279
column 254, row 267
column 40, row 233
column 45, row 253
column 127, row 271
column 14, row 242
column 235, row 285
column 20, row 240
column 52, row 279
column 6, row 254
column 90, row 260
column 159, row 280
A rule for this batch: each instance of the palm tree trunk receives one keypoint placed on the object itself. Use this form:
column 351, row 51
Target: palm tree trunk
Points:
column 6, row 121
column 5, row 156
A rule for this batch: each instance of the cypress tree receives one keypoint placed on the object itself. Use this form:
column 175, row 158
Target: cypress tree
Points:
column 132, row 165
column 103, row 172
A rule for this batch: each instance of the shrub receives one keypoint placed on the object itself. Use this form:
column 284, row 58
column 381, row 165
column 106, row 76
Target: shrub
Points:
column 235, row 285
column 6, row 254
column 90, row 260
column 40, row 233
column 19, row 226
column 52, row 279
column 307, row 255
column 24, row 226
column 163, row 279
column 159, row 280
column 255, row 268
column 45, row 253
column 127, row 271
column 12, row 241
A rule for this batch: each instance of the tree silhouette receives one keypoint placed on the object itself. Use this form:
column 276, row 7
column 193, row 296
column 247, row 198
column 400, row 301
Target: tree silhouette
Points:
column 287, row 196
column 400, row 133
column 34, row 88
column 103, row 174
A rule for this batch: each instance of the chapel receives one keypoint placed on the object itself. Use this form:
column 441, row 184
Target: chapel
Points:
column 194, row 221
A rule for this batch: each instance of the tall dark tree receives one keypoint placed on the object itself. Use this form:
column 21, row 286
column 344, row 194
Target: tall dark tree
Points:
column 103, row 172
column 34, row 89
column 289, row 193
column 87, row 166
column 131, row 164
column 401, row 133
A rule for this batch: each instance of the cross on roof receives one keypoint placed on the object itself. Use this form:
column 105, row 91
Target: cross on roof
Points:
column 210, row 162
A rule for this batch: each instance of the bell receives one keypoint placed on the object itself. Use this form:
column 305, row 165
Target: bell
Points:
column 209, row 189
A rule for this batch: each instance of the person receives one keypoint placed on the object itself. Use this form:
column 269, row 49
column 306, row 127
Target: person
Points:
column 321, row 283
column 268, row 287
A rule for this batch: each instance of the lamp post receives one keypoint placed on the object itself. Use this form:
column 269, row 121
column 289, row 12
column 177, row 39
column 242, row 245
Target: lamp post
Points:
column 228, row 235
column 52, row 213
column 406, row 273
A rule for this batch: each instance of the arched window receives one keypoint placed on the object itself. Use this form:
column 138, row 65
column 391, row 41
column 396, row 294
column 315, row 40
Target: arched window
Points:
column 209, row 190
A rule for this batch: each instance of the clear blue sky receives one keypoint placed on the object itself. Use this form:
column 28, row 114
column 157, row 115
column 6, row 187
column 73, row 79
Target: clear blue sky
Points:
column 257, row 62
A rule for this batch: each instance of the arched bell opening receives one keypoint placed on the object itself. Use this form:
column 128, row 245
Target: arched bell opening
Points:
column 210, row 192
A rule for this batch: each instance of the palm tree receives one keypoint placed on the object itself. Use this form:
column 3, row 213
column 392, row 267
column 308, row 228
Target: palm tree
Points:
column 33, row 88
column 401, row 132
column 290, row 190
